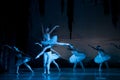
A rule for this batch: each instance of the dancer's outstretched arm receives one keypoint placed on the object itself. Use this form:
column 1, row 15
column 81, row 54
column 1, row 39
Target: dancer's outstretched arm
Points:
column 8, row 46
column 16, row 49
column 13, row 48
column 117, row 46
column 75, row 49
column 62, row 44
column 41, row 53
column 39, row 44
column 71, row 46
column 92, row 46
column 54, row 28
column 55, row 51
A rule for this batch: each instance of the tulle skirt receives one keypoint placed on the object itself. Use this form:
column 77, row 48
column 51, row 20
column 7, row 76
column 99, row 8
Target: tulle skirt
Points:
column 52, row 56
column 74, row 58
column 52, row 41
column 22, row 60
column 101, row 59
column 55, row 56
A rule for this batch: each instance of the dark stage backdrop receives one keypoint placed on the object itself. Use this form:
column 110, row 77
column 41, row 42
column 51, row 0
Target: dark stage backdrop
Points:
column 94, row 22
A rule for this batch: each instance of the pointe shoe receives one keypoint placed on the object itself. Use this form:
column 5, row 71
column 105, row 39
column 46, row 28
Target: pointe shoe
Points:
column 48, row 73
column 100, row 70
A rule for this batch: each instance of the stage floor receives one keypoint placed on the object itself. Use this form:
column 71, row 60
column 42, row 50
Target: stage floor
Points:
column 65, row 74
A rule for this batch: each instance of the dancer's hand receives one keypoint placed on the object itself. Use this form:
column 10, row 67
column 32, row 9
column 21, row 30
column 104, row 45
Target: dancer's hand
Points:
column 59, row 55
column 37, row 57
column 39, row 44
column 71, row 46
column 67, row 44
column 36, row 43
column 57, row 26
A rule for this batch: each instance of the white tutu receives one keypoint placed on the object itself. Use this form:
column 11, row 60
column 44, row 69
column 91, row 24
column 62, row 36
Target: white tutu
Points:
column 78, row 58
column 101, row 59
column 22, row 60
column 52, row 56
column 55, row 56
column 52, row 41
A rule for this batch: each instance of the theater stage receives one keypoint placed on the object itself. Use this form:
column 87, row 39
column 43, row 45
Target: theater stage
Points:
column 65, row 74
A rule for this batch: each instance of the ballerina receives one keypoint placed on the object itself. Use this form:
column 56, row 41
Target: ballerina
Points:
column 48, row 43
column 20, row 59
column 49, row 56
column 101, row 57
column 48, row 40
column 47, row 32
column 77, row 57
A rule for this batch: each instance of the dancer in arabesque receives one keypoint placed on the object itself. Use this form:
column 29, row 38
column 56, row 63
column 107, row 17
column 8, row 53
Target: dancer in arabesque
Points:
column 47, row 51
column 49, row 56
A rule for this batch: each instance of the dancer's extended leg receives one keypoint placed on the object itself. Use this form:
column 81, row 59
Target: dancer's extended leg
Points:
column 56, row 65
column 100, row 65
column 48, row 67
column 107, row 65
column 82, row 66
column 75, row 64
column 45, row 60
column 28, row 67
column 17, row 71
